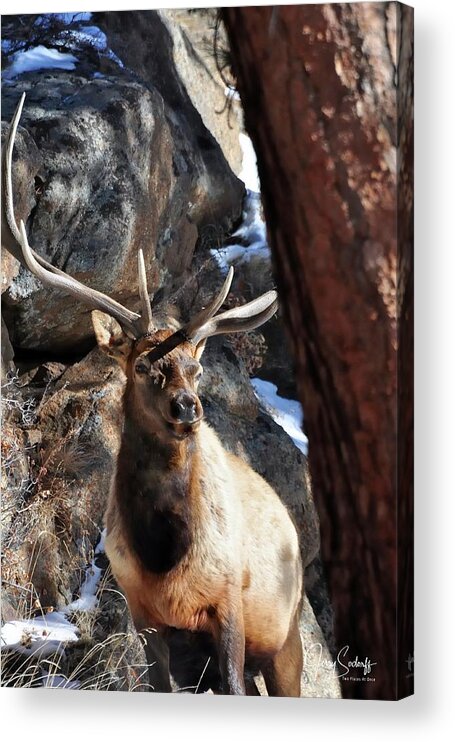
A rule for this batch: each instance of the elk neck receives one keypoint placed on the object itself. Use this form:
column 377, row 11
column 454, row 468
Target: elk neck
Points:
column 156, row 490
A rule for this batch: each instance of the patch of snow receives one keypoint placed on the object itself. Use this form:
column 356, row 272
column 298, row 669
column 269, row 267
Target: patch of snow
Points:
column 93, row 36
column 70, row 17
column 287, row 413
column 249, row 172
column 53, row 629
column 252, row 227
column 236, row 254
column 251, row 235
column 6, row 45
column 100, row 547
column 231, row 93
column 87, row 600
column 48, row 633
column 59, row 681
column 39, row 58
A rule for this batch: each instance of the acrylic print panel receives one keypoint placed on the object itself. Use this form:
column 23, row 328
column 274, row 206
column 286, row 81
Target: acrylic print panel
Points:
column 207, row 351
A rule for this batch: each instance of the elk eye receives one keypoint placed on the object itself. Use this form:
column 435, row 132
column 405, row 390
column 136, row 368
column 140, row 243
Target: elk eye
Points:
column 141, row 367
column 198, row 375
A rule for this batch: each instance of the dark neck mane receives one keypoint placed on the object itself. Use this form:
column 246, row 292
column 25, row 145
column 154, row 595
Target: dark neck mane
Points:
column 153, row 487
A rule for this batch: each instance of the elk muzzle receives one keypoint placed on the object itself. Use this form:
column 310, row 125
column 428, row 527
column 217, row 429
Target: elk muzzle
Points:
column 184, row 408
column 185, row 413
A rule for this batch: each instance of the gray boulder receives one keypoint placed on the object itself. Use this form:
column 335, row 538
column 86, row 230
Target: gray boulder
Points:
column 106, row 164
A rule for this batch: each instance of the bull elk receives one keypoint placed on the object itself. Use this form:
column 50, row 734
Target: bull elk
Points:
column 196, row 539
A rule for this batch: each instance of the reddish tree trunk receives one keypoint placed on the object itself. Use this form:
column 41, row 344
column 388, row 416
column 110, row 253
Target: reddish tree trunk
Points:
column 318, row 85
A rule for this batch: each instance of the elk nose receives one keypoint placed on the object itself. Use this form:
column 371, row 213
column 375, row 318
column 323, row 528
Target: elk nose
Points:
column 183, row 408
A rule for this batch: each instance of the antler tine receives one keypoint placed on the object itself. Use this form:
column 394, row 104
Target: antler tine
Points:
column 47, row 273
column 240, row 319
column 8, row 203
column 7, row 170
column 146, row 313
column 205, row 315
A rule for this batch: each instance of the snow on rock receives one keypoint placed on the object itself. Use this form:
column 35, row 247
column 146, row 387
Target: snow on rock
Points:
column 236, row 254
column 231, row 93
column 49, row 632
column 251, row 235
column 93, row 36
column 88, row 599
column 52, row 629
column 39, row 58
column 87, row 34
column 249, row 173
column 287, row 413
column 100, row 547
column 50, row 680
column 252, row 229
column 71, row 17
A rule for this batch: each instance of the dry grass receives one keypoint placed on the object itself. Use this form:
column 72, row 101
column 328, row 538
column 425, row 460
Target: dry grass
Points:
column 101, row 659
column 80, row 665
column 40, row 478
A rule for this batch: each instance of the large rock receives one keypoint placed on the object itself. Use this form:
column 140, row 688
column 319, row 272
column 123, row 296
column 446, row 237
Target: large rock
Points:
column 126, row 163
column 97, row 202
column 173, row 52
column 199, row 49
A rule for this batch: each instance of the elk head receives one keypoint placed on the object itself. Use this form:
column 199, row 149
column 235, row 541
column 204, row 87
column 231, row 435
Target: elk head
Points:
column 162, row 367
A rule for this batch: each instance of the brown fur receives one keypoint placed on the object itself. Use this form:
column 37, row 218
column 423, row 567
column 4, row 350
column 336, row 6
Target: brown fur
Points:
column 223, row 551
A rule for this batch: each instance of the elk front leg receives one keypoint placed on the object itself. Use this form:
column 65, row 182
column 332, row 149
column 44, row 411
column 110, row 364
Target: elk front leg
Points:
column 157, row 655
column 155, row 647
column 231, row 653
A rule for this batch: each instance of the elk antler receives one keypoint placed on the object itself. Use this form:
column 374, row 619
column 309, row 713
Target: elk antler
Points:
column 133, row 323
column 205, row 324
column 239, row 319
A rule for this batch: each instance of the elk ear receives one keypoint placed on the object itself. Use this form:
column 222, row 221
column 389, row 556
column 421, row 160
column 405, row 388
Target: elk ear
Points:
column 110, row 337
column 200, row 347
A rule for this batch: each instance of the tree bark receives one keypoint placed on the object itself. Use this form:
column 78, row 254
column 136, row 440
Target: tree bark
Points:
column 319, row 88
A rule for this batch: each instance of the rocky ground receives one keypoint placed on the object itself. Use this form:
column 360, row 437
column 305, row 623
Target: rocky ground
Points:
column 111, row 158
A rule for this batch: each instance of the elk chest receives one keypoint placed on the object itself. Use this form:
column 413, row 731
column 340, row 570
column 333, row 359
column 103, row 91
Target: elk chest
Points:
column 155, row 511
